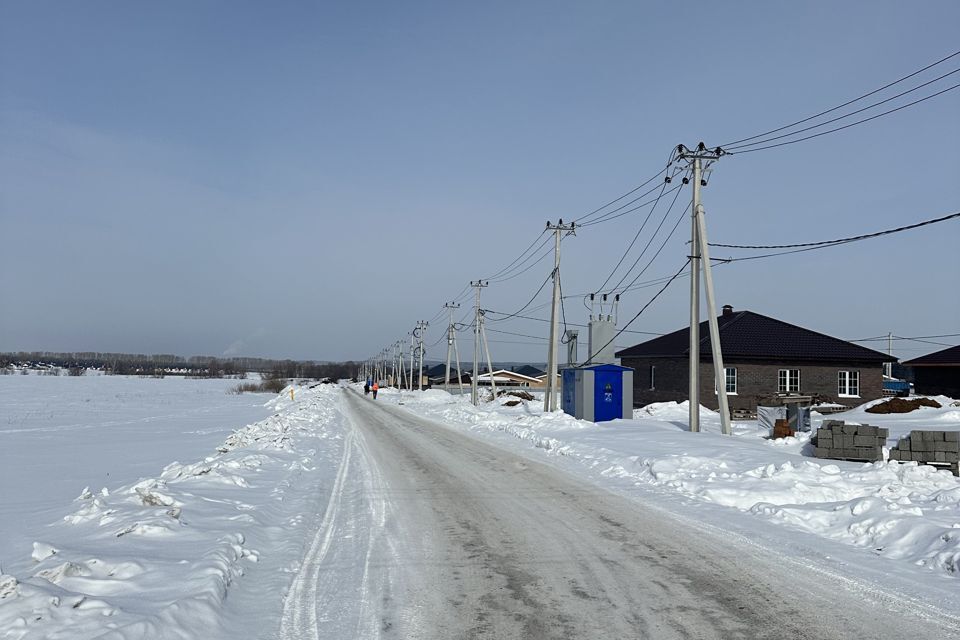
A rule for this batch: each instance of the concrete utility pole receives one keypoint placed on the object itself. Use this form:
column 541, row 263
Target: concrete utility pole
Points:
column 559, row 229
column 393, row 364
column 451, row 335
column 486, row 348
column 410, row 377
column 456, row 354
column 889, row 366
column 400, row 361
column 479, row 284
column 699, row 160
column 419, row 331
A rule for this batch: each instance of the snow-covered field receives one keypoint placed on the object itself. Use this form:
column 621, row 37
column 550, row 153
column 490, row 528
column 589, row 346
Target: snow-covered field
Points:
column 59, row 434
column 154, row 547
column 100, row 529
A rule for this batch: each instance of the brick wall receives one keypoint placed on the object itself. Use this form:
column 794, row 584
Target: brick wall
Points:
column 756, row 383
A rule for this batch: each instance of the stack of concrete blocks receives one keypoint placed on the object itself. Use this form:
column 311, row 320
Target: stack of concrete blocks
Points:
column 839, row 441
column 930, row 447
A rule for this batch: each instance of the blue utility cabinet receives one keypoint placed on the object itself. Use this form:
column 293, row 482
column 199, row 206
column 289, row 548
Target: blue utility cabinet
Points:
column 598, row 393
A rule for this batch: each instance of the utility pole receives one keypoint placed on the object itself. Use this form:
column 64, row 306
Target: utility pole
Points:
column 486, row 348
column 559, row 229
column 450, row 337
column 889, row 365
column 700, row 161
column 393, row 364
column 456, row 354
column 410, row 377
column 479, row 284
column 421, row 328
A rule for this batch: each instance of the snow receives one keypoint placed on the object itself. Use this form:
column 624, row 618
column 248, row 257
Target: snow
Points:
column 900, row 511
column 157, row 555
column 59, row 434
column 143, row 508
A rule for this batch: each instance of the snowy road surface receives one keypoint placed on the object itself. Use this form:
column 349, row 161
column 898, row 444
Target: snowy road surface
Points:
column 460, row 539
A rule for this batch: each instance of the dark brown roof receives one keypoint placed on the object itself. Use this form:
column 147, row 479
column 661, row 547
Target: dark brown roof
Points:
column 745, row 335
column 948, row 356
column 528, row 370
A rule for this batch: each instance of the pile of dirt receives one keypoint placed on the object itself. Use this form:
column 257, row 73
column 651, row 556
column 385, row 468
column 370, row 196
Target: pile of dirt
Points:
column 511, row 403
column 899, row 405
column 523, row 395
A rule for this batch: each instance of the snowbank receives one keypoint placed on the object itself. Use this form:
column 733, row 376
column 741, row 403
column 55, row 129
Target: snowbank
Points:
column 157, row 558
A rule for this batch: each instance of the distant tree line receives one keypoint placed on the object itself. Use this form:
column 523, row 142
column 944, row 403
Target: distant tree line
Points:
column 75, row 363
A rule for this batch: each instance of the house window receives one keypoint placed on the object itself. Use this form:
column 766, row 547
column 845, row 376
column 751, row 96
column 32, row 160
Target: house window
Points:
column 788, row 381
column 848, row 383
column 653, row 377
column 730, row 376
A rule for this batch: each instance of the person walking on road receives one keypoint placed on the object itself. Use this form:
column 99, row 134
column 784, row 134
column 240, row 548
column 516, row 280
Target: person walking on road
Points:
column 366, row 386
column 375, row 388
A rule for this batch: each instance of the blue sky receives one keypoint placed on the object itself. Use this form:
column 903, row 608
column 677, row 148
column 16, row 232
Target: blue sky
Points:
column 308, row 180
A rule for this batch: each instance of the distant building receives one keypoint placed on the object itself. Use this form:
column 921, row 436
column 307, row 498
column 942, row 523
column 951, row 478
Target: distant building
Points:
column 436, row 375
column 766, row 362
column 937, row 373
column 507, row 378
column 528, row 370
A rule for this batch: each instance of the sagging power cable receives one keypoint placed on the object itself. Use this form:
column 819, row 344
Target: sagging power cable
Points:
column 845, row 104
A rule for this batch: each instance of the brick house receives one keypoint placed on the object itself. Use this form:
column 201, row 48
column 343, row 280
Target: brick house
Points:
column 937, row 373
column 765, row 359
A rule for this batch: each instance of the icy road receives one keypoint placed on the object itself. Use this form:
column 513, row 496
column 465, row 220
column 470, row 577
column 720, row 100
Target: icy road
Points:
column 430, row 533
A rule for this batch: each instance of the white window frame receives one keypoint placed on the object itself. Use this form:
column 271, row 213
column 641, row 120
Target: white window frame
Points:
column 728, row 373
column 848, row 383
column 653, row 377
column 784, row 380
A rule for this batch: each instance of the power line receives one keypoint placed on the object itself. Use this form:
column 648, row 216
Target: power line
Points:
column 521, row 335
column 847, row 126
column 563, row 310
column 636, row 236
column 529, row 302
column 735, row 148
column 536, row 344
column 628, row 193
column 840, row 106
column 839, row 240
column 630, row 286
column 811, row 246
column 923, row 339
column 650, row 242
column 572, row 324
column 608, row 217
column 942, row 344
column 639, row 313
column 529, row 266
column 507, row 268
column 878, row 338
